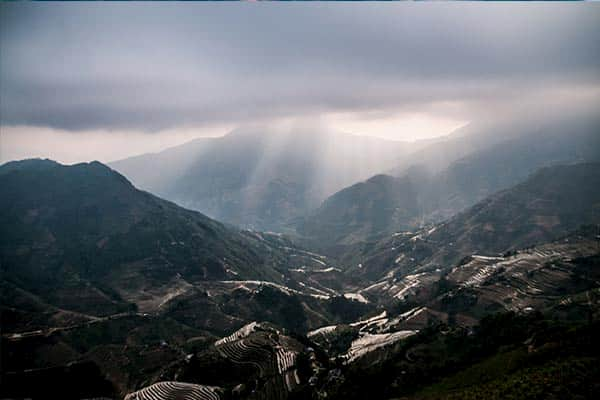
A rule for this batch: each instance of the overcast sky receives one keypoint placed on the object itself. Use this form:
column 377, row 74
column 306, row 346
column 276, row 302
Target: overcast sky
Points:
column 104, row 81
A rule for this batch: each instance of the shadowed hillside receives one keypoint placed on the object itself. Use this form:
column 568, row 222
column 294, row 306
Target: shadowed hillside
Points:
column 551, row 203
column 481, row 160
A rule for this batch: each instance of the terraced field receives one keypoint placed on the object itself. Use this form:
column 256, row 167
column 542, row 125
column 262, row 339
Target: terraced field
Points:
column 530, row 279
column 365, row 336
column 272, row 354
column 526, row 280
column 399, row 288
column 367, row 343
column 175, row 391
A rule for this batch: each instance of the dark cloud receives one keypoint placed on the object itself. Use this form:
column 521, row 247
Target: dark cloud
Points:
column 150, row 67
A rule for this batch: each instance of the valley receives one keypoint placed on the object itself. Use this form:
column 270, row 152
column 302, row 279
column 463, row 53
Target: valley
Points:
column 292, row 322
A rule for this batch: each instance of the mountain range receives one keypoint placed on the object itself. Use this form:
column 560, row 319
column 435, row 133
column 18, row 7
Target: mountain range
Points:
column 415, row 196
column 551, row 203
column 423, row 282
column 261, row 179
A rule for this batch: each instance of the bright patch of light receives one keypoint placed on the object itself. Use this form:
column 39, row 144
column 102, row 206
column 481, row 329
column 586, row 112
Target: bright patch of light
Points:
column 20, row 142
column 404, row 126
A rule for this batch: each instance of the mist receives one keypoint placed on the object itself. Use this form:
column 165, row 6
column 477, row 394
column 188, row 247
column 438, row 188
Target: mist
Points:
column 299, row 200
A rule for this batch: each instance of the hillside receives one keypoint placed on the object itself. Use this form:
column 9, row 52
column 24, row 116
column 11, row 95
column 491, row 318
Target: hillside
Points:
column 550, row 203
column 379, row 204
column 261, row 179
column 473, row 178
column 415, row 330
column 481, row 329
column 80, row 241
column 86, row 221
column 490, row 164
column 107, row 284
column 530, row 313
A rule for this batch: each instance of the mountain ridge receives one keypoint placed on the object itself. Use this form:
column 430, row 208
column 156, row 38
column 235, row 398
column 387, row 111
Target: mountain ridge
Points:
column 461, row 184
column 550, row 203
column 261, row 179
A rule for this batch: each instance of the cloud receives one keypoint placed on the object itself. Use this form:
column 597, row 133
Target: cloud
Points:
column 163, row 66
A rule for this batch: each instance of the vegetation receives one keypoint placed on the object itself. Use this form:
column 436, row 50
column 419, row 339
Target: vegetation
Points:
column 114, row 289
column 506, row 356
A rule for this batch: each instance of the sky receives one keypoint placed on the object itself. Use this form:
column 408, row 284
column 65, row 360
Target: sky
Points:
column 106, row 81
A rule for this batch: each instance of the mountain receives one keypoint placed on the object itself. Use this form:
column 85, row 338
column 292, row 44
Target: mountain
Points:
column 106, row 285
column 261, row 179
column 530, row 313
column 75, row 239
column 151, row 316
column 479, row 328
column 503, row 165
column 550, row 203
column 84, row 241
column 87, row 221
column 386, row 204
column 539, row 124
column 365, row 209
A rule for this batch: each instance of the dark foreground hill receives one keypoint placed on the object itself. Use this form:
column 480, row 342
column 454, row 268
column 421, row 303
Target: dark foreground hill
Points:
column 68, row 230
column 479, row 331
column 100, row 278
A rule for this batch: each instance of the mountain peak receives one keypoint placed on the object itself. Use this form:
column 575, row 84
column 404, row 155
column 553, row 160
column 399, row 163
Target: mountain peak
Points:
column 28, row 164
column 44, row 168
